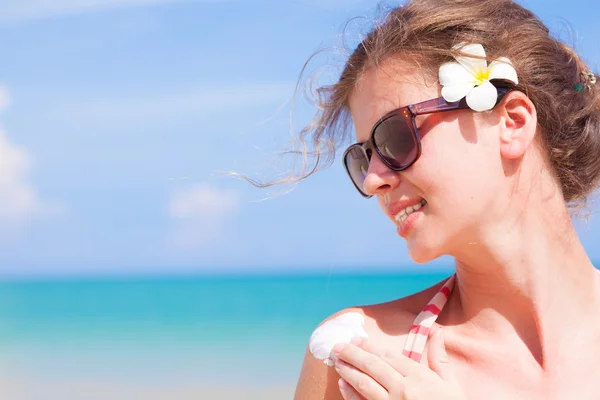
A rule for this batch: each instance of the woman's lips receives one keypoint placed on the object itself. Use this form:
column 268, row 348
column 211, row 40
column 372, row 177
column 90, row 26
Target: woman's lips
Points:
column 407, row 217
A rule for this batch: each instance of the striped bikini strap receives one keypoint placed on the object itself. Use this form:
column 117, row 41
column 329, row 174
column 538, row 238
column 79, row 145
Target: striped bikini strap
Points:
column 417, row 337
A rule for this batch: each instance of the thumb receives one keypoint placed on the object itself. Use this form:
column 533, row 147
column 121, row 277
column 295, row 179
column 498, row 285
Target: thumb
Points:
column 438, row 359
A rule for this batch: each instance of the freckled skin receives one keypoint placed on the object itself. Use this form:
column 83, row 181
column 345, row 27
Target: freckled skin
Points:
column 387, row 325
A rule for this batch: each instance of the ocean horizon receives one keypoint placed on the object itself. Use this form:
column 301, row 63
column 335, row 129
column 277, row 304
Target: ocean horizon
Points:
column 184, row 337
column 165, row 334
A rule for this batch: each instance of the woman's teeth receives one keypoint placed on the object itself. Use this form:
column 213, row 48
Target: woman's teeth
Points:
column 402, row 215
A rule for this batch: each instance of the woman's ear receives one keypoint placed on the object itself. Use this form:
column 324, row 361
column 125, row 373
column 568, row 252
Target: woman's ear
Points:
column 518, row 124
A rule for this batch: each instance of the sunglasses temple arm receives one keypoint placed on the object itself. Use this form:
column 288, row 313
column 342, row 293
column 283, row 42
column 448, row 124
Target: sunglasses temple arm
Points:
column 440, row 105
column 436, row 105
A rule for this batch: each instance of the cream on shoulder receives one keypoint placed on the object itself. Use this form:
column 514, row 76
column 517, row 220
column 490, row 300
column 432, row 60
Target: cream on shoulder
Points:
column 341, row 329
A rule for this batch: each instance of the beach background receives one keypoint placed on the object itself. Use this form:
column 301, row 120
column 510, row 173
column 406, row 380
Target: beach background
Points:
column 165, row 338
column 131, row 266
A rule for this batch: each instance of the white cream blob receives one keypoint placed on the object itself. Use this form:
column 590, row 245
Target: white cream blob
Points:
column 341, row 329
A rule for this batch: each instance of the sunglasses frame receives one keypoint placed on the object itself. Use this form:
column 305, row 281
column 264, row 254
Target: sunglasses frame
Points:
column 409, row 113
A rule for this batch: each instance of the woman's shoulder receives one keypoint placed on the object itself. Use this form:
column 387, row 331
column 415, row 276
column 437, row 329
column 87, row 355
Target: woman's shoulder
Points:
column 385, row 324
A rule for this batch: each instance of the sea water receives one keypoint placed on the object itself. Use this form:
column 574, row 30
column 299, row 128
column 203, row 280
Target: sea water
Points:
column 251, row 330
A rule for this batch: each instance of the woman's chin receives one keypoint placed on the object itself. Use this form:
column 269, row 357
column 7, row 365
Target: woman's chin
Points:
column 422, row 254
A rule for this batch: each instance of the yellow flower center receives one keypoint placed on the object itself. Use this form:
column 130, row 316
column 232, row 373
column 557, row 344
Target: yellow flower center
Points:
column 482, row 76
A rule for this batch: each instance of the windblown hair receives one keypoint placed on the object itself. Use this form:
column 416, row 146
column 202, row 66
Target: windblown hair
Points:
column 423, row 32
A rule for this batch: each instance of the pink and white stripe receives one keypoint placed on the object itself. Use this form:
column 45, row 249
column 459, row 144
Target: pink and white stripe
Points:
column 417, row 337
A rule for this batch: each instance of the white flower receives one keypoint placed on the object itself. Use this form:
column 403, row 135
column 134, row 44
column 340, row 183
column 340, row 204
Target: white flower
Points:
column 471, row 76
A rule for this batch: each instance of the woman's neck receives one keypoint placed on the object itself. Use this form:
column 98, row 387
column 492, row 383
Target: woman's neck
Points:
column 531, row 278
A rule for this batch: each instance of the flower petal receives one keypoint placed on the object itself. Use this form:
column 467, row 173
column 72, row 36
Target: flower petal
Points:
column 502, row 68
column 456, row 92
column 473, row 65
column 483, row 98
column 453, row 73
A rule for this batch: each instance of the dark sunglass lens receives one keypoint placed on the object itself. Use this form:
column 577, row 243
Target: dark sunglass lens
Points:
column 396, row 142
column 357, row 165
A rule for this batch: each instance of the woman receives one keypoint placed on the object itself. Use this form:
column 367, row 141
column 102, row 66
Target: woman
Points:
column 501, row 141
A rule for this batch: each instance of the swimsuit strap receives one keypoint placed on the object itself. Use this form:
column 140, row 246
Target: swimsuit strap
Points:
column 417, row 337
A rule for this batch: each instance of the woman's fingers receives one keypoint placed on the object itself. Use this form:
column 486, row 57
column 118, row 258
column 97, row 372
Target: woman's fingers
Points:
column 348, row 392
column 362, row 383
column 438, row 359
column 370, row 363
column 377, row 376
column 395, row 359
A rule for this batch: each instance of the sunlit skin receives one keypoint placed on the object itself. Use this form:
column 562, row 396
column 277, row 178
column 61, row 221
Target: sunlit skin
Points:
column 523, row 321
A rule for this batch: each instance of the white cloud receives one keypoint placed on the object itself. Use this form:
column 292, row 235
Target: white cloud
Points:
column 19, row 201
column 202, row 201
column 20, row 10
column 201, row 214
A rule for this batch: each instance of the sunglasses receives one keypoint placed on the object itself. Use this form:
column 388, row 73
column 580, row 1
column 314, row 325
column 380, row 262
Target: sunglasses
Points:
column 395, row 139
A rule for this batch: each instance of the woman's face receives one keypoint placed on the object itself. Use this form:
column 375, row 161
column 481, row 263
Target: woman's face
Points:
column 459, row 174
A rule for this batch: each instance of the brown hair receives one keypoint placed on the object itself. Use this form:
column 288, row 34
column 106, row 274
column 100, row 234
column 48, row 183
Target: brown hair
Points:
column 424, row 31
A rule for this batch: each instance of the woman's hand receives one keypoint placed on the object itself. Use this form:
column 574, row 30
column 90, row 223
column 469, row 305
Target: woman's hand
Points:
column 368, row 375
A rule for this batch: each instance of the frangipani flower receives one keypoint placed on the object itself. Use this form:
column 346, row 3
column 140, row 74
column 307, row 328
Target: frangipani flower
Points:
column 471, row 76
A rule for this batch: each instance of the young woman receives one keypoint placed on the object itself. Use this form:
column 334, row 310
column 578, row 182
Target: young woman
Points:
column 477, row 132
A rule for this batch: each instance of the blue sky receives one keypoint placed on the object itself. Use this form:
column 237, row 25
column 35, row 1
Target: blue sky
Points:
column 115, row 116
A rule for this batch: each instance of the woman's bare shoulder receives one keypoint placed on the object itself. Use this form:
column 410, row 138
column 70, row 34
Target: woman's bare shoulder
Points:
column 386, row 325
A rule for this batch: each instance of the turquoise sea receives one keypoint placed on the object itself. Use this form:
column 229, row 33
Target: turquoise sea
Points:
column 169, row 333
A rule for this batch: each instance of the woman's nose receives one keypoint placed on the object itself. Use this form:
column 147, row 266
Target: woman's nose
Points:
column 380, row 179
